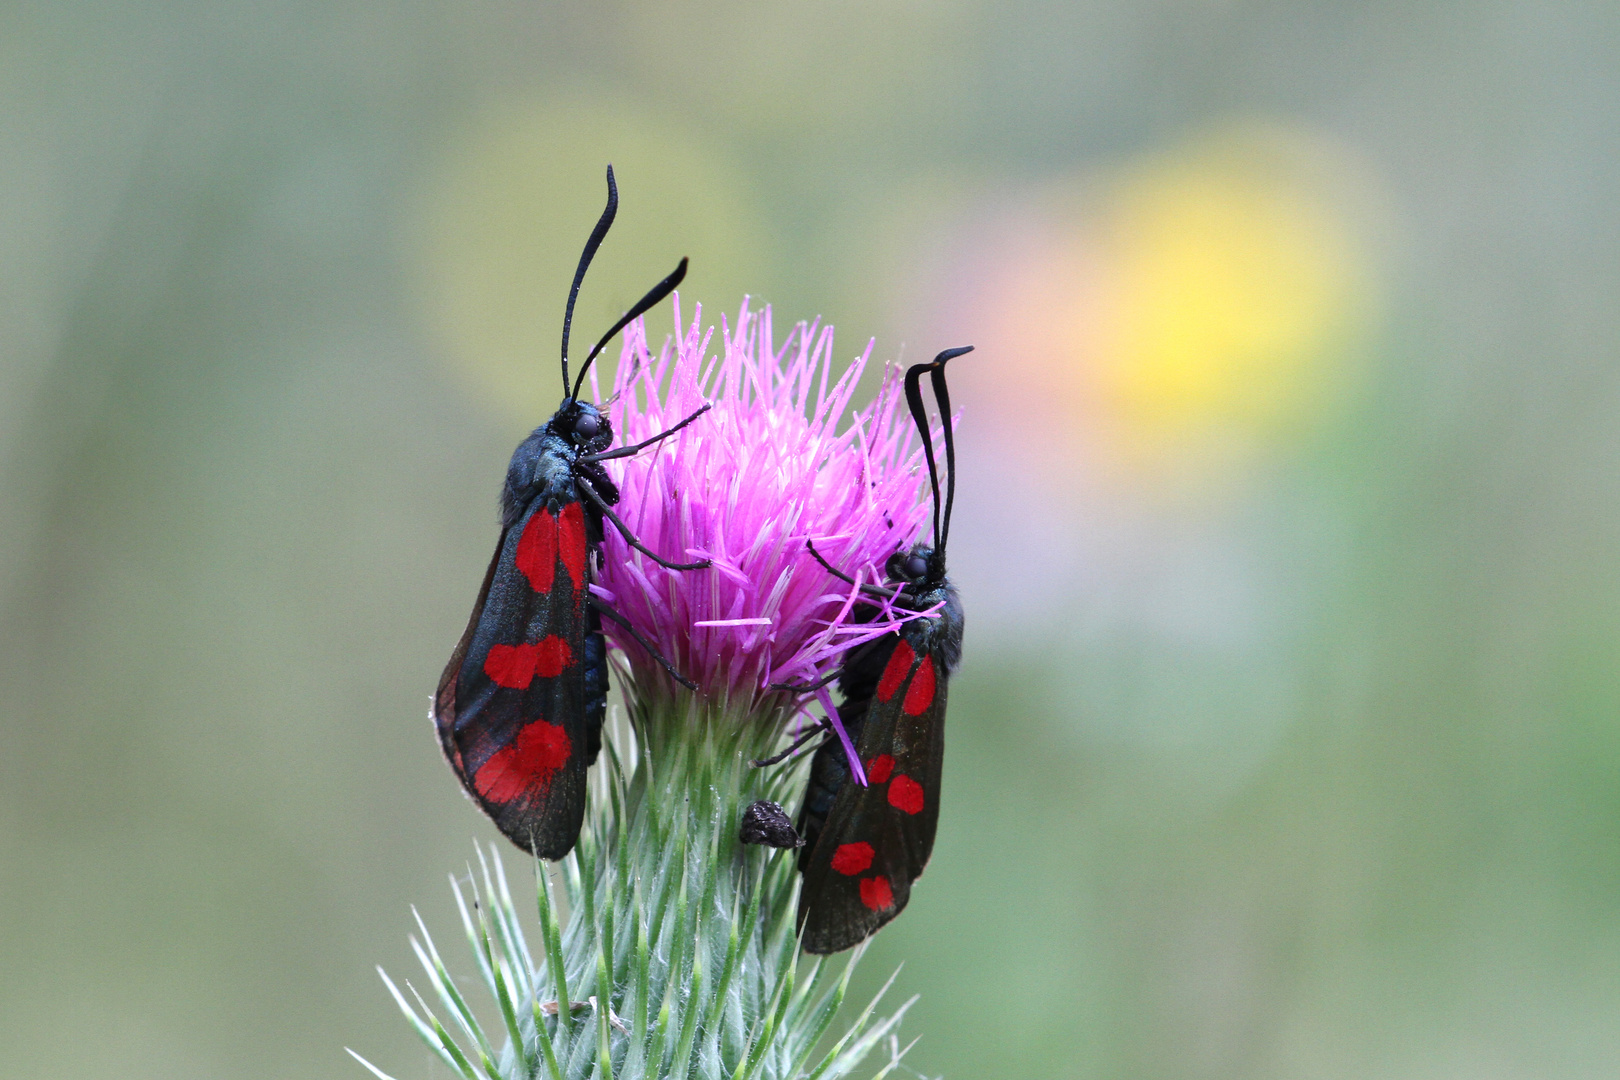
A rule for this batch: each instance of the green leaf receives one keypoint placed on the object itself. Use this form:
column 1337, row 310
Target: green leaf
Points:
column 835, row 1054
column 369, row 1066
column 553, row 935
column 449, row 994
column 428, row 1034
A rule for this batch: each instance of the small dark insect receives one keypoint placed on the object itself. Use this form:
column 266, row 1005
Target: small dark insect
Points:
column 520, row 704
column 766, row 823
column 865, row 845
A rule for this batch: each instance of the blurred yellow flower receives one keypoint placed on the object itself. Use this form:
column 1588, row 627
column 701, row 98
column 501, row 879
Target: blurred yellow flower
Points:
column 1182, row 315
column 1232, row 289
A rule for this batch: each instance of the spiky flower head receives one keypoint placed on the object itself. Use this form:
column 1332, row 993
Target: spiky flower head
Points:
column 678, row 957
column 781, row 459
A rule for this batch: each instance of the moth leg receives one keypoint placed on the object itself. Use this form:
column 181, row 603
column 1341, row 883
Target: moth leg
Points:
column 805, row 688
column 626, row 451
column 652, row 649
column 820, row 727
column 630, row 538
column 870, row 590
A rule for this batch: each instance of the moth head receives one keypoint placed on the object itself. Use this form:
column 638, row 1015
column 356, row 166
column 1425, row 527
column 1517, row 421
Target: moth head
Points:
column 583, row 425
column 921, row 565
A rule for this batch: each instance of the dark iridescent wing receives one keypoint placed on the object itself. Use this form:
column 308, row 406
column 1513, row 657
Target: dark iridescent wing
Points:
column 511, row 708
column 877, row 839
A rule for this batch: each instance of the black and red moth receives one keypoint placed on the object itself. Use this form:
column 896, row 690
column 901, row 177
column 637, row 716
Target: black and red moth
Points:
column 519, row 707
column 864, row 846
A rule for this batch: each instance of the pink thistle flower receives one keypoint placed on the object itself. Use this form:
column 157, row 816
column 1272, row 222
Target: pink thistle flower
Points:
column 746, row 485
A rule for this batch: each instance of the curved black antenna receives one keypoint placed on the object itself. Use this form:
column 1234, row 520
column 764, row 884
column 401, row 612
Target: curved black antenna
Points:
column 936, row 369
column 654, row 295
column 603, row 223
column 920, row 417
column 943, row 397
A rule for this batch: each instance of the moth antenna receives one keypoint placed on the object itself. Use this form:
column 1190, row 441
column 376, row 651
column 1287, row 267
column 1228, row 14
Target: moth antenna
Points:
column 603, row 223
column 936, row 371
column 654, row 295
column 943, row 397
column 920, row 417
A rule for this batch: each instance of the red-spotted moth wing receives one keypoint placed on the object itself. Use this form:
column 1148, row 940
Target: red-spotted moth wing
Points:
column 877, row 839
column 515, row 709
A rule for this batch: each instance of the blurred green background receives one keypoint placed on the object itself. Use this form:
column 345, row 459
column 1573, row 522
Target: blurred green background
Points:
column 1287, row 740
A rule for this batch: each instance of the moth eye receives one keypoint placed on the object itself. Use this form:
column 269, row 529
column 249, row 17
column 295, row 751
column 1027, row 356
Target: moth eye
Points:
column 916, row 566
column 587, row 426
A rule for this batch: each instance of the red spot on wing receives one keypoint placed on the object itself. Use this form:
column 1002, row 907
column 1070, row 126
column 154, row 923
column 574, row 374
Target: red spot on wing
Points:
column 537, row 550
column 851, row 859
column 879, row 768
column 511, row 665
column 515, row 666
column 920, row 694
column 551, row 656
column 895, row 673
column 876, row 894
column 906, row 795
column 571, row 542
column 526, row 764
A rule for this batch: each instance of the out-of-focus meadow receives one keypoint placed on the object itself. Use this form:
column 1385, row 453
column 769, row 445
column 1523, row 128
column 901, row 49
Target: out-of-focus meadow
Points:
column 1288, row 738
